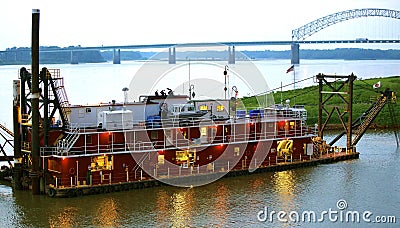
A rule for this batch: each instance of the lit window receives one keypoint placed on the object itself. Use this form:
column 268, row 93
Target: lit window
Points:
column 161, row 159
column 203, row 131
column 220, row 108
column 203, row 107
column 101, row 163
column 236, row 151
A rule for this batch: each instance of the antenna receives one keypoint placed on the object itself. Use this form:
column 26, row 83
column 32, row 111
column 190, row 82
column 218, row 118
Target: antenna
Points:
column 190, row 86
column 225, row 74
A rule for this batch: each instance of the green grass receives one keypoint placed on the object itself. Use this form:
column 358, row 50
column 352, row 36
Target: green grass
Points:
column 363, row 94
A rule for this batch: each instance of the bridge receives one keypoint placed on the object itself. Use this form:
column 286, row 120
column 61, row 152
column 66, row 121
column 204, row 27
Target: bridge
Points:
column 298, row 37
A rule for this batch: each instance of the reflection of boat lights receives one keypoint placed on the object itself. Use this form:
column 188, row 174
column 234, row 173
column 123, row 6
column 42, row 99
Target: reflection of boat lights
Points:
column 284, row 185
column 182, row 203
column 109, row 217
column 66, row 218
column 221, row 197
column 63, row 158
column 284, row 182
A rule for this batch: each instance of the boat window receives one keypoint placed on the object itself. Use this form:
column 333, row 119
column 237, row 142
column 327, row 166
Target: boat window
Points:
column 103, row 162
column 236, row 151
column 190, row 108
column 161, row 159
column 81, row 113
column 203, row 131
column 220, row 108
column 88, row 139
column 88, row 110
column 203, row 107
column 182, row 155
column 54, row 165
column 154, row 135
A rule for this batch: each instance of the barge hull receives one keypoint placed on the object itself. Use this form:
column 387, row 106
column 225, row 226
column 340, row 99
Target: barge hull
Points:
column 81, row 190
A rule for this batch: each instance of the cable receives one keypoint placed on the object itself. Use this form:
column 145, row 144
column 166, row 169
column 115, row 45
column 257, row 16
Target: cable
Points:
column 266, row 92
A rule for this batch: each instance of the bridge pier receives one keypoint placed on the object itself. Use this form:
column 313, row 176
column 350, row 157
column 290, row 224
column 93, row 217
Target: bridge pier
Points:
column 295, row 54
column 117, row 56
column 74, row 58
column 171, row 55
column 231, row 55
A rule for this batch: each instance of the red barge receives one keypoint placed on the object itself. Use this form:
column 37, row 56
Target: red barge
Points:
column 163, row 138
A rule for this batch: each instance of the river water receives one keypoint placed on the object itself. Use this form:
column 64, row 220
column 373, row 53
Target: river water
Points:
column 369, row 185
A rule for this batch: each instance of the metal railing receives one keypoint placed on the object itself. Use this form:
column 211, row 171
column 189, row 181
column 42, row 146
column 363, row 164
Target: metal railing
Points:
column 239, row 133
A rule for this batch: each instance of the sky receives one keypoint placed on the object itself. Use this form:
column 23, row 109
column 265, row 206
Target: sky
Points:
column 120, row 22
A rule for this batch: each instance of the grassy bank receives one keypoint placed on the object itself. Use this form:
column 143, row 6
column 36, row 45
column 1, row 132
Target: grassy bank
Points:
column 364, row 95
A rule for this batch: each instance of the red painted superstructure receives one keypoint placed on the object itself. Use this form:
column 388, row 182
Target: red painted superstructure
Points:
column 174, row 146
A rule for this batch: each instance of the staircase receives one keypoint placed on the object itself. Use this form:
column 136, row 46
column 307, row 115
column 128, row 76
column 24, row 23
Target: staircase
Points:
column 369, row 117
column 137, row 167
column 59, row 95
column 66, row 143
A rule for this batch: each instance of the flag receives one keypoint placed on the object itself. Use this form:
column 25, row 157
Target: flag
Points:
column 377, row 85
column 290, row 69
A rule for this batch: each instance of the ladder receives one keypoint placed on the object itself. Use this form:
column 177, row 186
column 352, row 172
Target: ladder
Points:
column 372, row 114
column 59, row 94
column 65, row 144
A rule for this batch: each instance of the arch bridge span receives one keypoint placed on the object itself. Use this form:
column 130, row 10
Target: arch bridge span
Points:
column 309, row 29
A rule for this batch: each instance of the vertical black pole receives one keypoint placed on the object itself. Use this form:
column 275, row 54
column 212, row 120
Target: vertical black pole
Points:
column 349, row 143
column 35, row 94
column 320, row 130
column 45, row 80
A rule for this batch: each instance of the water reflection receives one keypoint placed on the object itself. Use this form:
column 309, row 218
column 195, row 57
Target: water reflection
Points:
column 222, row 204
column 107, row 213
column 65, row 218
column 182, row 206
column 284, row 184
column 163, row 206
